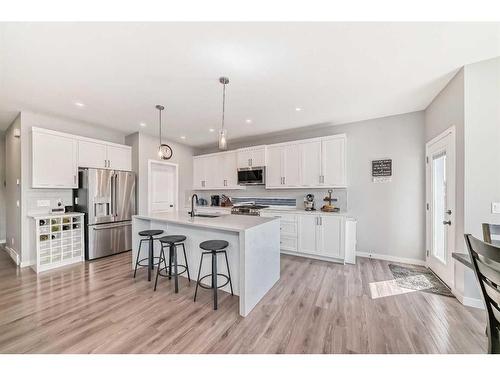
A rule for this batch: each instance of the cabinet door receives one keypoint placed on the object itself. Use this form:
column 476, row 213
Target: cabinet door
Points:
column 292, row 165
column 198, row 173
column 333, row 162
column 310, row 157
column 244, row 158
column 91, row 154
column 274, row 172
column 119, row 158
column 54, row 161
column 259, row 157
column 330, row 237
column 307, row 234
column 229, row 168
column 212, row 172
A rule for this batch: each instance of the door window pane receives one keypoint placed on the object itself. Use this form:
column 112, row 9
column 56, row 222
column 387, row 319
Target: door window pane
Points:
column 439, row 206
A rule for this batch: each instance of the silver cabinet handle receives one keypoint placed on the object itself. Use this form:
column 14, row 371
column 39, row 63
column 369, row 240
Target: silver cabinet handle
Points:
column 448, row 212
column 284, row 180
column 447, row 222
column 74, row 179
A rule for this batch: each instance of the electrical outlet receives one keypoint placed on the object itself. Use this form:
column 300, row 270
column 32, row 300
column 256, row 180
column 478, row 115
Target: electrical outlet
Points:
column 495, row 207
column 43, row 203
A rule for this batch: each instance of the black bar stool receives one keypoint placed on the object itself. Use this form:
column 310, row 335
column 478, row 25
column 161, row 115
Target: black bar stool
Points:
column 150, row 237
column 172, row 242
column 213, row 247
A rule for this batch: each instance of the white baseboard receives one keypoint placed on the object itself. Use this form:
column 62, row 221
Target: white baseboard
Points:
column 467, row 301
column 391, row 258
column 13, row 255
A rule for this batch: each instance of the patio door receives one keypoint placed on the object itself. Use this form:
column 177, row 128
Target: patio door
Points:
column 440, row 205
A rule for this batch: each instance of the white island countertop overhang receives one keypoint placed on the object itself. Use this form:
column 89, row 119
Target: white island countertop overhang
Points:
column 253, row 252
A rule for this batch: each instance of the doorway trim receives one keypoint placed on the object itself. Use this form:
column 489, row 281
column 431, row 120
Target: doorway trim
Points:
column 151, row 162
column 452, row 191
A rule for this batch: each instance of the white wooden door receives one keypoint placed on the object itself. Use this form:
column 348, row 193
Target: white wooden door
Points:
column 91, row 154
column 292, row 165
column 230, row 169
column 198, row 173
column 307, row 233
column 310, row 161
column 244, row 158
column 274, row 170
column 330, row 238
column 440, row 204
column 212, row 172
column 259, row 157
column 119, row 158
column 333, row 162
column 54, row 163
column 163, row 187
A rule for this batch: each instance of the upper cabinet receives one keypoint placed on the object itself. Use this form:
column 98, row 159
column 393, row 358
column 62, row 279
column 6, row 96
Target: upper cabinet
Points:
column 103, row 155
column 57, row 156
column 251, row 157
column 215, row 171
column 54, row 160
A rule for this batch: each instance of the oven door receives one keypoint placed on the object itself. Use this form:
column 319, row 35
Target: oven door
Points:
column 251, row 176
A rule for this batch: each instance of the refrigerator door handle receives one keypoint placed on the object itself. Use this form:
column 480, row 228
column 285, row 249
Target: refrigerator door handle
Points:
column 114, row 189
column 102, row 227
column 112, row 198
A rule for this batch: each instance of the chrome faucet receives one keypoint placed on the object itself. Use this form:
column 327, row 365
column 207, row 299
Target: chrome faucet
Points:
column 192, row 204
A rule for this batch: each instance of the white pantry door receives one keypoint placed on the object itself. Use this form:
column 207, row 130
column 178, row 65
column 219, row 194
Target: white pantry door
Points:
column 163, row 187
column 440, row 205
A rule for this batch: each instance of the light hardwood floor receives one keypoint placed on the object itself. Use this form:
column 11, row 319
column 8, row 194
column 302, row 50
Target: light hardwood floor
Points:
column 316, row 307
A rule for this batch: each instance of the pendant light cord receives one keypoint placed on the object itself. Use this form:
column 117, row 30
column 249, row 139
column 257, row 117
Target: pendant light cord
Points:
column 160, row 125
column 223, row 103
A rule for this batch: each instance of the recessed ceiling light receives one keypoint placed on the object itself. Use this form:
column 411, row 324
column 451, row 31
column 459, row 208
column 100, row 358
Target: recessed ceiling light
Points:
column 298, row 109
column 248, row 121
column 211, row 130
column 143, row 124
column 183, row 137
column 79, row 104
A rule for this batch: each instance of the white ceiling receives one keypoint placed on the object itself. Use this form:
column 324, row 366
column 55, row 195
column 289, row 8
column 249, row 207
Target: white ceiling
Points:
column 336, row 72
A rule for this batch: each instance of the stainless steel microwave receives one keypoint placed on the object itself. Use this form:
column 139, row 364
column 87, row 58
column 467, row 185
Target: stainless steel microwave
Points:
column 252, row 176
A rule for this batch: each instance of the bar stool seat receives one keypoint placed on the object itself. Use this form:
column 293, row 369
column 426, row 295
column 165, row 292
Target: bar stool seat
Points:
column 150, row 260
column 213, row 247
column 172, row 241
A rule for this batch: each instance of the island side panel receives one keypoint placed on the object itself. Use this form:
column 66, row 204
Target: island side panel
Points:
column 259, row 263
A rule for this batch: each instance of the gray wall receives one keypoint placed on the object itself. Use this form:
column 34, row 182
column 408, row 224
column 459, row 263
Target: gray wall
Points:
column 12, row 190
column 2, row 187
column 447, row 109
column 391, row 216
column 30, row 196
column 482, row 150
column 144, row 148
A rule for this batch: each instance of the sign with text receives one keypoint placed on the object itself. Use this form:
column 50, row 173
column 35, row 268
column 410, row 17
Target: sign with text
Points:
column 382, row 170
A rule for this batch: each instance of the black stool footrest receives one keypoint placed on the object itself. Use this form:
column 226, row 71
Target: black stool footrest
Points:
column 211, row 287
column 147, row 262
column 166, row 269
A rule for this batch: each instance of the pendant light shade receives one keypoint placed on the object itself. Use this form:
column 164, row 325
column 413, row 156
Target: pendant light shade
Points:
column 164, row 150
column 222, row 131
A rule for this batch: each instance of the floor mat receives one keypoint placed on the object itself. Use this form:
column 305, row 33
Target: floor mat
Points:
column 419, row 278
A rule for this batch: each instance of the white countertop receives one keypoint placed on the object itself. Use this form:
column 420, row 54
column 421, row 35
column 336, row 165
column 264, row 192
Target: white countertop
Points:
column 293, row 210
column 49, row 215
column 233, row 223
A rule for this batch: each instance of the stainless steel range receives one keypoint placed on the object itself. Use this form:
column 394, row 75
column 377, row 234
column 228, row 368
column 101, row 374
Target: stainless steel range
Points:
column 247, row 209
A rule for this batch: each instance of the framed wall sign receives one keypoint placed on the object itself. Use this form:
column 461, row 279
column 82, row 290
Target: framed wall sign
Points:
column 382, row 170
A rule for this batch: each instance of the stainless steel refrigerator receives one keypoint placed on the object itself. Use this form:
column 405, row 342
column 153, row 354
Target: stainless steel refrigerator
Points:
column 107, row 198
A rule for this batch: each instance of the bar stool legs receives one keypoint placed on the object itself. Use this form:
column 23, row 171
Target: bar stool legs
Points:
column 171, row 242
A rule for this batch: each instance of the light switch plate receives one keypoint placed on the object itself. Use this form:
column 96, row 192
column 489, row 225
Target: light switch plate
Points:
column 495, row 207
column 43, row 203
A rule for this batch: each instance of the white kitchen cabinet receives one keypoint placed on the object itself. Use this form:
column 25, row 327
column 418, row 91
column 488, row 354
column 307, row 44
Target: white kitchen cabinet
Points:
column 215, row 171
column 334, row 161
column 102, row 155
column 329, row 236
column 119, row 157
column 308, row 228
column 310, row 162
column 283, row 168
column 251, row 157
column 54, row 160
column 91, row 154
column 274, row 170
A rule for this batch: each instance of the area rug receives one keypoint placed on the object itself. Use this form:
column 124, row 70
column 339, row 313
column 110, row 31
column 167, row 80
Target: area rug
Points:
column 419, row 278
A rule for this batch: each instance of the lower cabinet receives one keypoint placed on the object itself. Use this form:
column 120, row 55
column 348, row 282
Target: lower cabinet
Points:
column 313, row 235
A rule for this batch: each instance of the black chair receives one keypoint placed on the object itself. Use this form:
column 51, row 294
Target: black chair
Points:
column 491, row 230
column 213, row 247
column 486, row 262
column 172, row 242
column 150, row 236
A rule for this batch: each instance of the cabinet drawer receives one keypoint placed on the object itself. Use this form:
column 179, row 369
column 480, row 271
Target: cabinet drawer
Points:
column 288, row 228
column 288, row 243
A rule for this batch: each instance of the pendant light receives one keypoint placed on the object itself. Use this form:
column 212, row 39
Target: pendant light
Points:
column 164, row 150
column 222, row 131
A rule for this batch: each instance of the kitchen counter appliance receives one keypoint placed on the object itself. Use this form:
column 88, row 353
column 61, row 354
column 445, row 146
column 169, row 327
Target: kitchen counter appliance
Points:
column 251, row 176
column 107, row 198
column 247, row 209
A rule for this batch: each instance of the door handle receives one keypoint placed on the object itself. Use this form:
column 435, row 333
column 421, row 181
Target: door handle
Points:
column 447, row 222
column 448, row 212
column 113, row 226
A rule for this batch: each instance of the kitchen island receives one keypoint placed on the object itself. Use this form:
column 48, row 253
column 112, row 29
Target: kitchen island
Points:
column 253, row 252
